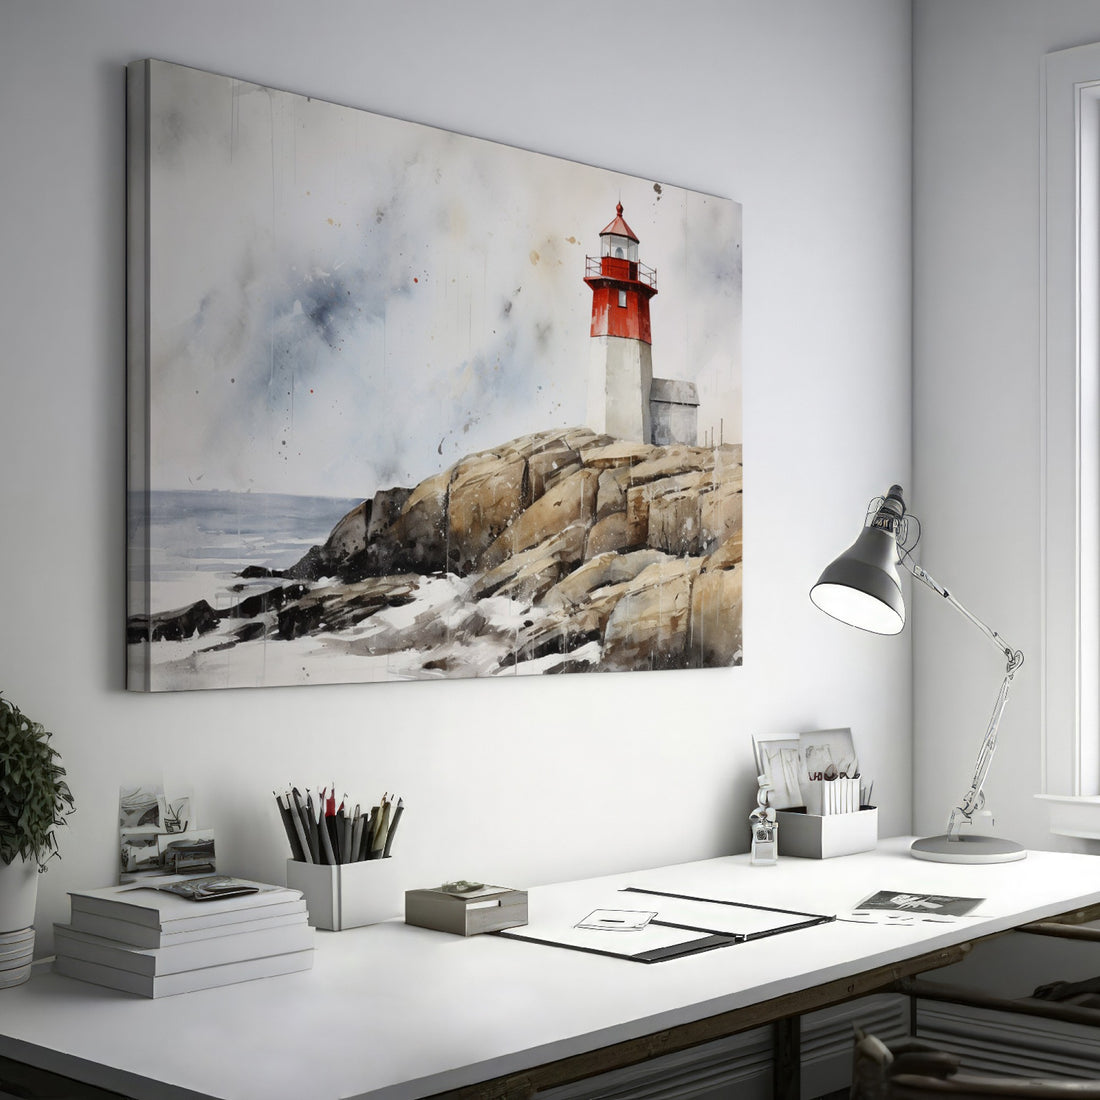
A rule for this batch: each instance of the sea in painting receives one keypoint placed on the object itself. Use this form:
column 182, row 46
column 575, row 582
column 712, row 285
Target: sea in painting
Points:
column 202, row 540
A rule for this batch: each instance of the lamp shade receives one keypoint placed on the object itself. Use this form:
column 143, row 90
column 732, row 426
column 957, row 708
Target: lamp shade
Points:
column 862, row 587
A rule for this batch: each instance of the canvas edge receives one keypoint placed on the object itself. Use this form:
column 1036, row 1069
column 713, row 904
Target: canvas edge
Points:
column 137, row 365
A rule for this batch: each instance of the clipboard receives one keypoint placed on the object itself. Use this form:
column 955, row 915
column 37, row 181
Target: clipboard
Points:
column 685, row 925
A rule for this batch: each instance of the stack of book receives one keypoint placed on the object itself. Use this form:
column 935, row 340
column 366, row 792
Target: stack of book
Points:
column 143, row 938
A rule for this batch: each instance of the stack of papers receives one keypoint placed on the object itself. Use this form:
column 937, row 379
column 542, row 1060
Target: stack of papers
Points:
column 143, row 939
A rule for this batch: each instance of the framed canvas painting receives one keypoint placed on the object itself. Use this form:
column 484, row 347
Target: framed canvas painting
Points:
column 410, row 405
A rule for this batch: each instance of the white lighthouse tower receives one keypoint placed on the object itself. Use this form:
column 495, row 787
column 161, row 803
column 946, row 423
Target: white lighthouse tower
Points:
column 621, row 369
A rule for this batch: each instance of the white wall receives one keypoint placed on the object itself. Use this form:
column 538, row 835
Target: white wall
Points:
column 800, row 110
column 976, row 405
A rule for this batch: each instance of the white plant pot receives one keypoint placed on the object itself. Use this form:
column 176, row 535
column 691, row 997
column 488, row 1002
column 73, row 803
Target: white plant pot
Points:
column 18, row 894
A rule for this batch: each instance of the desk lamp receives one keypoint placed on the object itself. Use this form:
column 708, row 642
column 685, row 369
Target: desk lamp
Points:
column 862, row 588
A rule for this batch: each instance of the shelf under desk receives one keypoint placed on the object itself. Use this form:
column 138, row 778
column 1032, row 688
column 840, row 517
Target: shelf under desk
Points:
column 393, row 1012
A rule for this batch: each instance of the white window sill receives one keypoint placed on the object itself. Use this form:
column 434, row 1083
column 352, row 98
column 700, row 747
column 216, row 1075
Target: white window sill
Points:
column 1073, row 815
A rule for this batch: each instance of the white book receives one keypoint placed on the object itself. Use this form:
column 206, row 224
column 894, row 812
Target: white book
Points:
column 144, row 903
column 184, row 956
column 168, row 985
column 140, row 935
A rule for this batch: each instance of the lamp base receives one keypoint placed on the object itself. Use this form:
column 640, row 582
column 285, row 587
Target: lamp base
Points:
column 967, row 849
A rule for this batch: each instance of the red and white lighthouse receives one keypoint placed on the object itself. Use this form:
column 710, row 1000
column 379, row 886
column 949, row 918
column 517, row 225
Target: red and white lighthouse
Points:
column 621, row 370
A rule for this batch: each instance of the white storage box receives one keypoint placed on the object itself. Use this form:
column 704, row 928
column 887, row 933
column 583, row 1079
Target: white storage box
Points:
column 350, row 894
column 820, row 837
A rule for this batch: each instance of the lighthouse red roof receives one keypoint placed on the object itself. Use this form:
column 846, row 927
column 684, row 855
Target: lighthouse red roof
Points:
column 618, row 226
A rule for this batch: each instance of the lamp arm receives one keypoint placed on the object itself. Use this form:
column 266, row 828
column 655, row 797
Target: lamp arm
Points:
column 1013, row 656
column 974, row 798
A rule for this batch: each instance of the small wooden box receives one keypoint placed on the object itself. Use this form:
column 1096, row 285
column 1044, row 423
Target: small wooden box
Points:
column 348, row 895
column 486, row 910
column 821, row 837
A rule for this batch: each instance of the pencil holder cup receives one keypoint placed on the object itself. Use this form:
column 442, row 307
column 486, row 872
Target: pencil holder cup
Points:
column 349, row 895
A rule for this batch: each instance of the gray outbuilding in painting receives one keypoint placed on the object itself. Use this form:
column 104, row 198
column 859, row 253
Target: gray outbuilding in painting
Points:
column 673, row 411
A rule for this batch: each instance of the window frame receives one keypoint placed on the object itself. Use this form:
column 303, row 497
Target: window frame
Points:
column 1070, row 422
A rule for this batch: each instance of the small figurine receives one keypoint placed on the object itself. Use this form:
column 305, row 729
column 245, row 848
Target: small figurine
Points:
column 765, row 828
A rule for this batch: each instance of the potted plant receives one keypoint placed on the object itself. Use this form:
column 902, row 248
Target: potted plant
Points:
column 34, row 800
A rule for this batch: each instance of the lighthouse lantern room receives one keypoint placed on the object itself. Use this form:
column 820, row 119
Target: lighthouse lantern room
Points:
column 621, row 370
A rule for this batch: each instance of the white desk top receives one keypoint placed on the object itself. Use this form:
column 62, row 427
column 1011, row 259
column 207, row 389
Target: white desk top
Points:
column 393, row 1012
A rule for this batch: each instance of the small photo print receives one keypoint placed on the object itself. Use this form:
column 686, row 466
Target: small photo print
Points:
column 187, row 853
column 210, row 888
column 828, row 754
column 138, row 852
column 933, row 905
column 780, row 761
column 176, row 815
column 139, row 807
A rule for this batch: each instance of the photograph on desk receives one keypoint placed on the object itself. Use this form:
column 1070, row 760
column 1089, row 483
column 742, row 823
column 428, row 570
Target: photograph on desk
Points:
column 779, row 762
column 828, row 754
column 176, row 815
column 408, row 405
column 157, row 834
column 139, row 852
column 139, row 807
column 187, row 853
column 925, row 905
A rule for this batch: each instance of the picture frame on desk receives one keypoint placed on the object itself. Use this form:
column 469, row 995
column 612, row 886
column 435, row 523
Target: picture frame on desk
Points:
column 779, row 760
column 824, row 749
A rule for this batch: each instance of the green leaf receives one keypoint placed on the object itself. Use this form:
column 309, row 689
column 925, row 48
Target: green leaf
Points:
column 34, row 796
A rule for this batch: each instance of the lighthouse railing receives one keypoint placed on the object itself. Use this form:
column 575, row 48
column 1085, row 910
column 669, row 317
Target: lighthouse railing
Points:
column 596, row 267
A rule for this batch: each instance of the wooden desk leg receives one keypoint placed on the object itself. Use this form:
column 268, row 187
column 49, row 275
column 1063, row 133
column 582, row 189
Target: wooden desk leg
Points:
column 787, row 1058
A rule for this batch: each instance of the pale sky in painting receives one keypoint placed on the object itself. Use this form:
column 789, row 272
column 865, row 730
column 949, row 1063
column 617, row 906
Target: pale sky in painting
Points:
column 342, row 302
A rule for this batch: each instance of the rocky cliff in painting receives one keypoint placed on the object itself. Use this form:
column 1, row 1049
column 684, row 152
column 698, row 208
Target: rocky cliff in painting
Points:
column 556, row 552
